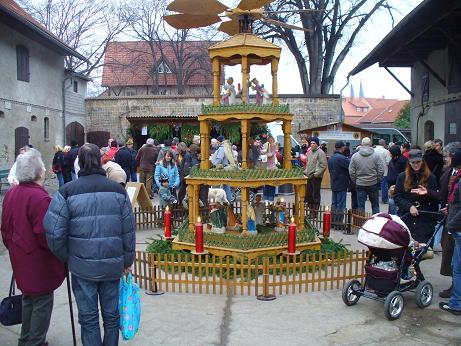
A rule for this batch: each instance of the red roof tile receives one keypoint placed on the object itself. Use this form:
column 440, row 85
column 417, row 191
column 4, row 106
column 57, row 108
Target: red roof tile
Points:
column 380, row 110
column 131, row 63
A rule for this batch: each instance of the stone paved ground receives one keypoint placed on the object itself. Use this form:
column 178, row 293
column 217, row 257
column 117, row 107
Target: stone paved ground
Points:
column 318, row 318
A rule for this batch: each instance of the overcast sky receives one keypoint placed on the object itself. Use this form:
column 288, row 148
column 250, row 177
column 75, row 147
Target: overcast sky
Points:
column 376, row 81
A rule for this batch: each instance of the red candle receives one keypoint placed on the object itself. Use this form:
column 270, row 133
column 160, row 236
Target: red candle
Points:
column 292, row 236
column 199, row 236
column 326, row 223
column 167, row 218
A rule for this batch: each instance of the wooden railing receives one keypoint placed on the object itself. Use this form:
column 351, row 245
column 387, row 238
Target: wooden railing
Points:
column 352, row 220
column 275, row 275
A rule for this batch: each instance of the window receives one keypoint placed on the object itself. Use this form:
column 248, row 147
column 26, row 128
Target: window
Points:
column 22, row 61
column 75, row 84
column 2, row 114
column 358, row 109
column 130, row 92
column 428, row 130
column 163, row 68
column 33, row 118
column 46, row 128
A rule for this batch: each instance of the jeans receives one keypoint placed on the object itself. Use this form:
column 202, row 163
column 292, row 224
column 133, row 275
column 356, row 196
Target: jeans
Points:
column 371, row 192
column 455, row 299
column 392, row 207
column 87, row 293
column 134, row 176
column 36, row 316
column 354, row 204
column 60, row 178
column 338, row 202
column 384, row 190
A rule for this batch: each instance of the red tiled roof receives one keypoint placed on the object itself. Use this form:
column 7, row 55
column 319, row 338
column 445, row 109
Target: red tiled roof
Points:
column 380, row 110
column 12, row 7
column 131, row 63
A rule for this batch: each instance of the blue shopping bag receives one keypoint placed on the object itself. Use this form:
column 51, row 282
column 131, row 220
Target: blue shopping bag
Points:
column 129, row 305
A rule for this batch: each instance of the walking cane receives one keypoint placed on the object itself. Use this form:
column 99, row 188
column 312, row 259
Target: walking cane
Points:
column 70, row 307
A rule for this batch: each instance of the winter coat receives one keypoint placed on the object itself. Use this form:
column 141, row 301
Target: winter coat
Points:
column 423, row 225
column 187, row 163
column 454, row 212
column 316, row 164
column 166, row 197
column 171, row 171
column 338, row 165
column 90, row 225
column 366, row 168
column 36, row 270
column 385, row 155
column 125, row 160
column 58, row 162
column 396, row 166
column 147, row 157
column 434, row 160
column 73, row 152
column 133, row 159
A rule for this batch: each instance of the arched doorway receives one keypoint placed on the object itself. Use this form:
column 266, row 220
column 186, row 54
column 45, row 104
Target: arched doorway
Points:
column 75, row 132
column 21, row 138
column 428, row 130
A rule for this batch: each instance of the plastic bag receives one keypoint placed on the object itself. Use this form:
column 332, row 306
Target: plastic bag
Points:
column 129, row 305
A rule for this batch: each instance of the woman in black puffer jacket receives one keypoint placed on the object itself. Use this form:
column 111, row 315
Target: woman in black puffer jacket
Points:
column 416, row 190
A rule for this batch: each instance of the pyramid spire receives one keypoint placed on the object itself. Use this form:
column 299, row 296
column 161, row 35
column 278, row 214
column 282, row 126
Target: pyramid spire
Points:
column 352, row 91
column 361, row 93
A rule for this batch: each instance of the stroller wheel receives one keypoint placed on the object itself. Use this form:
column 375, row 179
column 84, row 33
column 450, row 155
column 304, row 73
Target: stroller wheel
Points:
column 349, row 296
column 393, row 305
column 424, row 294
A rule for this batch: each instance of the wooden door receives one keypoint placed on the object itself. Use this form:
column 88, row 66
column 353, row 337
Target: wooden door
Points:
column 452, row 122
column 21, row 138
column 98, row 138
column 75, row 132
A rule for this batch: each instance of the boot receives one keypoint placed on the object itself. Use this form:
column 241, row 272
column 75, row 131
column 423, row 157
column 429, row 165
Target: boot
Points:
column 446, row 293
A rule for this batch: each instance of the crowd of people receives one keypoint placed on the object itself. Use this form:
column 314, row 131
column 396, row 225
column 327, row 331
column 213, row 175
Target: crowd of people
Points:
column 87, row 227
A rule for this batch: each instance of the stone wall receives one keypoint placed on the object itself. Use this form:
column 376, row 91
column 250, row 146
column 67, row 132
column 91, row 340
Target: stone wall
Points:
column 110, row 113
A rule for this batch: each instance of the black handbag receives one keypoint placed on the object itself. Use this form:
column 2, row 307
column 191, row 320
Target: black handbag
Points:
column 11, row 308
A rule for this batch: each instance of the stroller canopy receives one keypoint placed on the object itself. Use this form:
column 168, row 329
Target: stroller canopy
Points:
column 384, row 231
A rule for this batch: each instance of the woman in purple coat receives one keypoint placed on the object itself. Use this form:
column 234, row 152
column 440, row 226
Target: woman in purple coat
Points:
column 36, row 270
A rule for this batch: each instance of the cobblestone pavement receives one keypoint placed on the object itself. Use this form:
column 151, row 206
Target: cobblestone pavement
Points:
column 317, row 318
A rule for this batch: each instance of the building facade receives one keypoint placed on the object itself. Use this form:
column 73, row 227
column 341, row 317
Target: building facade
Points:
column 31, row 86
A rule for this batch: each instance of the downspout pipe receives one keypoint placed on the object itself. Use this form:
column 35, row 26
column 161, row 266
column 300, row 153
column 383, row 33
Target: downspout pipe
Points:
column 341, row 112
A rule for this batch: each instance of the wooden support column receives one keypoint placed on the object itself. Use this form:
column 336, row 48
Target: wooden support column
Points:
column 287, row 144
column 274, row 69
column 204, row 143
column 216, row 82
column 190, row 193
column 302, row 190
column 296, row 211
column 245, row 96
column 207, row 145
column 196, row 203
column 245, row 133
column 244, row 197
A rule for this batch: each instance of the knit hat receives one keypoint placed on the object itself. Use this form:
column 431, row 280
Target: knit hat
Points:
column 339, row 144
column 220, row 139
column 315, row 139
column 163, row 178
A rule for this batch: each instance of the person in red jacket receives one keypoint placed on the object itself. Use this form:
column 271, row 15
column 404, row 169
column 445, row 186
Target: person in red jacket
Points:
column 36, row 270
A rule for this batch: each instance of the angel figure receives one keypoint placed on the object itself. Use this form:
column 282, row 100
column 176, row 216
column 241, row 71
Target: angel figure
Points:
column 259, row 91
column 229, row 92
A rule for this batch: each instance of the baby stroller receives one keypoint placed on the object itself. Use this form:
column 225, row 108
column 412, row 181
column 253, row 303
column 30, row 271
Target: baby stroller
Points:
column 392, row 253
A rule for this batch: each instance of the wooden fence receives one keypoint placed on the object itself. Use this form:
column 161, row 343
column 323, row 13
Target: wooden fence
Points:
column 276, row 275
column 350, row 220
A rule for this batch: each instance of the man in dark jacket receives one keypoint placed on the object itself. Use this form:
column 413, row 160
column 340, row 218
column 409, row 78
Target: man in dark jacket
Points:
column 134, row 167
column 146, row 159
column 338, row 165
column 124, row 159
column 397, row 165
column 90, row 225
column 71, row 158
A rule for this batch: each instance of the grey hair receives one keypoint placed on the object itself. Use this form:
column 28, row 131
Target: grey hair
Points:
column 451, row 148
column 29, row 166
column 366, row 141
column 150, row 141
column 382, row 142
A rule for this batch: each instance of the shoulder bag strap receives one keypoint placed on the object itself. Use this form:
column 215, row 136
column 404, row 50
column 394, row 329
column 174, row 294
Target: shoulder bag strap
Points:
column 12, row 291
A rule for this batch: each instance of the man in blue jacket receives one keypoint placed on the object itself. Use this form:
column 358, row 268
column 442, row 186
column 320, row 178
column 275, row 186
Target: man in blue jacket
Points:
column 90, row 226
column 338, row 165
